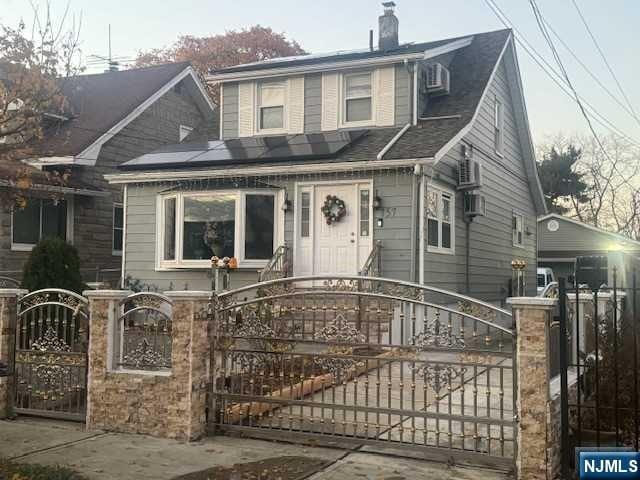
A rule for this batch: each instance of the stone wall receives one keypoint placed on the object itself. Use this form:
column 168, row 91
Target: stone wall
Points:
column 554, row 452
column 8, row 318
column 163, row 404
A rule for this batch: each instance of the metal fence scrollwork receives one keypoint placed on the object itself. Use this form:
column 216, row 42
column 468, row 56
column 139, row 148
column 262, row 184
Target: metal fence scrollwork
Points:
column 143, row 334
column 51, row 354
column 368, row 360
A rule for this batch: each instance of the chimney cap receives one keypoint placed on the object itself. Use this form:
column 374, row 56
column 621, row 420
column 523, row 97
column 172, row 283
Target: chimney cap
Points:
column 388, row 6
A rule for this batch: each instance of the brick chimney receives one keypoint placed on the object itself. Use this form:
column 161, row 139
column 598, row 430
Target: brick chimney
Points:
column 388, row 28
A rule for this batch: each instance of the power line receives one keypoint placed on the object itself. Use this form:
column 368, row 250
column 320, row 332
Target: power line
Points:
column 551, row 72
column 627, row 108
column 545, row 33
column 604, row 58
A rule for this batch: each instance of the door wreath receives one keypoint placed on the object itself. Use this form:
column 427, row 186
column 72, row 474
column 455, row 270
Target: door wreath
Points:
column 333, row 209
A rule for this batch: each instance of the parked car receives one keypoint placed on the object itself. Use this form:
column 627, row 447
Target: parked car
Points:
column 545, row 277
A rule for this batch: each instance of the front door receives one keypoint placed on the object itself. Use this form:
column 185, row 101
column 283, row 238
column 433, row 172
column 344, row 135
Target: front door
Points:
column 339, row 247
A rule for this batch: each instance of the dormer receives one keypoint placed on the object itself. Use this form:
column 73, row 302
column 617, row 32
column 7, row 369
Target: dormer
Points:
column 381, row 86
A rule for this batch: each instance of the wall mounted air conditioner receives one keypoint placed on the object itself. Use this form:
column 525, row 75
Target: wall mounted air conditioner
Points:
column 438, row 79
column 469, row 170
column 475, row 205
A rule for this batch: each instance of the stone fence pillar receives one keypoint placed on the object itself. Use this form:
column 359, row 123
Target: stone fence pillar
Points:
column 533, row 318
column 8, row 322
column 163, row 403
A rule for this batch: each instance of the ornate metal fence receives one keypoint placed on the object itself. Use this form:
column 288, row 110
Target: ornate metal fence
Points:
column 143, row 333
column 365, row 360
column 51, row 354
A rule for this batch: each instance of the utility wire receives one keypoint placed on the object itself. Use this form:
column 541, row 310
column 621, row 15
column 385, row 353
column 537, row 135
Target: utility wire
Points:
column 604, row 58
column 556, row 55
column 627, row 108
column 552, row 73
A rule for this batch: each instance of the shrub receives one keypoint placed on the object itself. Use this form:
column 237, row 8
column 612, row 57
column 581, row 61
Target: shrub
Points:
column 53, row 263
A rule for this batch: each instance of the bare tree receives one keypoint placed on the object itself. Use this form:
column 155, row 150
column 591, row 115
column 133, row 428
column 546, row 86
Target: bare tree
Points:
column 33, row 66
column 613, row 179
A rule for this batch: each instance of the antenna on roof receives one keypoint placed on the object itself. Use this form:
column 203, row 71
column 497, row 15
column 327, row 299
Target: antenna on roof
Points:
column 113, row 65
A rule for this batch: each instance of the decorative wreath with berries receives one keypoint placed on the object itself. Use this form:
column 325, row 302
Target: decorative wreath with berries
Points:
column 333, row 209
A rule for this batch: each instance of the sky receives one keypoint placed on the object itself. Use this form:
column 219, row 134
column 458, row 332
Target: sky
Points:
column 329, row 25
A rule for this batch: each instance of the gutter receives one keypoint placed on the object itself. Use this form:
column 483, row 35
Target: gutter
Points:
column 393, row 141
column 59, row 189
column 175, row 175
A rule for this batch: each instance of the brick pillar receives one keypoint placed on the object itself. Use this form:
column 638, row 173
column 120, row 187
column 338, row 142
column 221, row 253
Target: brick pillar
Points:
column 192, row 341
column 532, row 316
column 170, row 404
column 8, row 321
column 103, row 313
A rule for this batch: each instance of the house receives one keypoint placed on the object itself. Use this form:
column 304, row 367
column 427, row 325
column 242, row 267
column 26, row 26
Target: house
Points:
column 112, row 118
column 412, row 161
column 561, row 240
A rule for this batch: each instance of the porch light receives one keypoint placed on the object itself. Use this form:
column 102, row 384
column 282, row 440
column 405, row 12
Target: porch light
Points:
column 286, row 205
column 377, row 203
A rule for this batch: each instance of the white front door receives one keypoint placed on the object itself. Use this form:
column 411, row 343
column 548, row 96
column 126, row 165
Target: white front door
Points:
column 341, row 247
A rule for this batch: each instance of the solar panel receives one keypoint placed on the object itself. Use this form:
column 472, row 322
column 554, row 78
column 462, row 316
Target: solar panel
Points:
column 248, row 150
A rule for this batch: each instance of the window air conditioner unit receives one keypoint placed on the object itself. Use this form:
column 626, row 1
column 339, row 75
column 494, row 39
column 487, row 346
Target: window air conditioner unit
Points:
column 469, row 170
column 475, row 205
column 438, row 79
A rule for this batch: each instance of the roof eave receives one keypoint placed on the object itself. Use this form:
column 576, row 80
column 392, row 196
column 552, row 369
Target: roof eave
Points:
column 339, row 65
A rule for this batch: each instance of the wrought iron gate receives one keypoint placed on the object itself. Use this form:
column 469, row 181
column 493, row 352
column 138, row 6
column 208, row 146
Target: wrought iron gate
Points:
column 51, row 354
column 598, row 358
column 365, row 360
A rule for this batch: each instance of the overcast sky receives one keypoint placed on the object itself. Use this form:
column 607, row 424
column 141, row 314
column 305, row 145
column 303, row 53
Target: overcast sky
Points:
column 328, row 25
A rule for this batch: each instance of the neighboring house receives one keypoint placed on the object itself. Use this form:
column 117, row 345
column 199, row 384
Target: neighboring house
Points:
column 112, row 118
column 426, row 145
column 561, row 240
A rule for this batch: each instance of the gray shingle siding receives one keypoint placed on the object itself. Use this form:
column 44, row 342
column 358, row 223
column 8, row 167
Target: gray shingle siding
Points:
column 395, row 190
column 402, row 95
column 93, row 216
column 313, row 103
column 506, row 188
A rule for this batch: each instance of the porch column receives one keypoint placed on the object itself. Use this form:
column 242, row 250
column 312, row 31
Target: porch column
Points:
column 532, row 371
column 8, row 322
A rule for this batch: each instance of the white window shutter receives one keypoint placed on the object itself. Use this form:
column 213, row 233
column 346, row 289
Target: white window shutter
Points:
column 385, row 96
column 296, row 104
column 330, row 101
column 246, row 109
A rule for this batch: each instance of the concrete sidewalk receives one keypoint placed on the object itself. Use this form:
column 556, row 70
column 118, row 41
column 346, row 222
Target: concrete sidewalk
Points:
column 106, row 456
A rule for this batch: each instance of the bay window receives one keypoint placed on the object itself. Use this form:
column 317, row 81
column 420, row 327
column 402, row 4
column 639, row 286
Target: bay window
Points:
column 440, row 220
column 195, row 226
column 38, row 219
column 358, row 97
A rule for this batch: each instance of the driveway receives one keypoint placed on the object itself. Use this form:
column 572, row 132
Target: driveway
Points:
column 106, row 456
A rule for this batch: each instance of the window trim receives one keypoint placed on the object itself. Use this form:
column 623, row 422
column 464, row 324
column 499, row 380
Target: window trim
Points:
column 258, row 107
column 452, row 206
column 498, row 127
column 343, row 99
column 239, row 235
column 114, row 252
column 27, row 247
column 514, row 215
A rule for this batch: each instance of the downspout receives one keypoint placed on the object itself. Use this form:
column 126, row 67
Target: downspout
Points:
column 124, row 236
column 467, row 276
column 415, row 215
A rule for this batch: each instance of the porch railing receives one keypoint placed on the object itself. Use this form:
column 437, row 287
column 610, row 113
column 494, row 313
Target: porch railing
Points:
column 278, row 267
column 373, row 265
